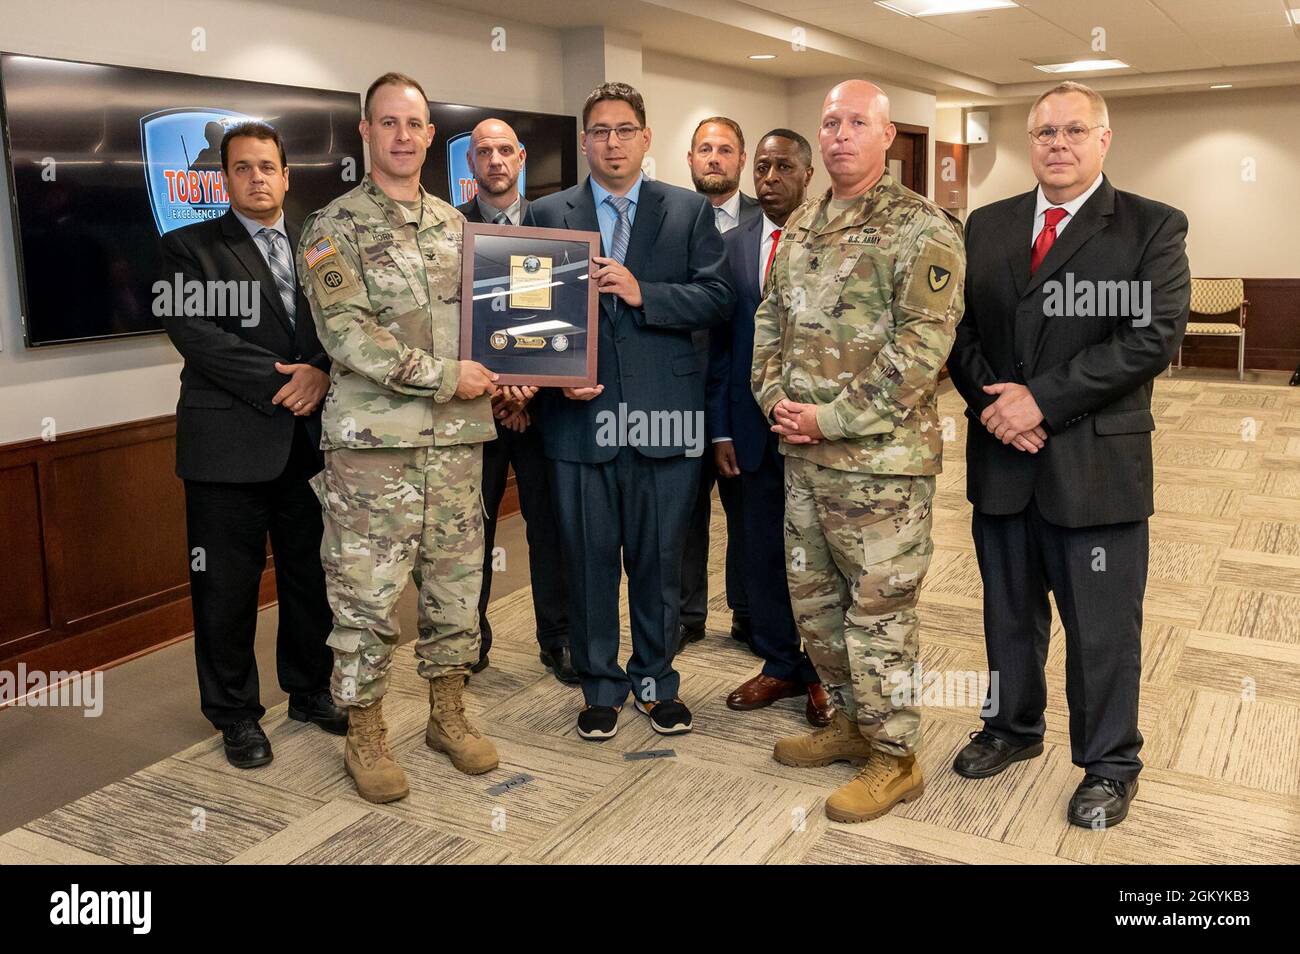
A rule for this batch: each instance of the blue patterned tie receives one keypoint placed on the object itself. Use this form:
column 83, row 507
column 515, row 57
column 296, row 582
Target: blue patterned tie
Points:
column 277, row 256
column 622, row 228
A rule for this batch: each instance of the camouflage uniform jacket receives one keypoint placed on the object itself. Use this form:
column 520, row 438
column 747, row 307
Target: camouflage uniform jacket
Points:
column 859, row 317
column 384, row 286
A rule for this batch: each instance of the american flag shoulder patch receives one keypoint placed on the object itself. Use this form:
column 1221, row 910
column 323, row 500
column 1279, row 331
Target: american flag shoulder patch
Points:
column 322, row 249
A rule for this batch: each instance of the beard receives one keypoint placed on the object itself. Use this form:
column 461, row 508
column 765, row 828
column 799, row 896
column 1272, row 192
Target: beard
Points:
column 497, row 189
column 715, row 183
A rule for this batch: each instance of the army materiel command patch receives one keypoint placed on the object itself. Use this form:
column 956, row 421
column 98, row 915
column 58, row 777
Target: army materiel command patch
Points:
column 934, row 280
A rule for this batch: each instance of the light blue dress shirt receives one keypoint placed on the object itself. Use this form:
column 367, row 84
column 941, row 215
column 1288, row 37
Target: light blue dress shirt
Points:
column 607, row 215
column 255, row 227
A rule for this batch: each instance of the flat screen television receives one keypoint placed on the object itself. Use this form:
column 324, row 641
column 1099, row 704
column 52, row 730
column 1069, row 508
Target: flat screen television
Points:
column 103, row 160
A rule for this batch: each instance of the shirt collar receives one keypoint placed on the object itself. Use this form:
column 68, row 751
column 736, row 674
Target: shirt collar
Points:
column 489, row 211
column 768, row 228
column 600, row 193
column 1073, row 206
column 255, row 227
column 731, row 207
column 397, row 214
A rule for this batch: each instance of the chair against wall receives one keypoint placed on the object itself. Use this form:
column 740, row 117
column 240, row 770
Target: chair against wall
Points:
column 1219, row 296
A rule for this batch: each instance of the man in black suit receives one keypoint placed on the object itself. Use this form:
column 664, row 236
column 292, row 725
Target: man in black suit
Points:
column 1077, row 296
column 496, row 157
column 745, row 451
column 624, row 491
column 716, row 159
column 247, row 438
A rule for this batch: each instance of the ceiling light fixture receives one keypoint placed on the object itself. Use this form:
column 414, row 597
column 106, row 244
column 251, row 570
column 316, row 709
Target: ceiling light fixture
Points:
column 1081, row 66
column 1220, row 86
column 939, row 8
column 762, row 56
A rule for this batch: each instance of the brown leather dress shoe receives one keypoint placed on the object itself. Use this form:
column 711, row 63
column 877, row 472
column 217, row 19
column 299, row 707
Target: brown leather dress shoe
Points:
column 762, row 691
column 820, row 710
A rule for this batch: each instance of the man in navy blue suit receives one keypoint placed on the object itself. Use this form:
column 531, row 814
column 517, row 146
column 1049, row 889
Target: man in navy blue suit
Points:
column 624, row 454
column 744, row 447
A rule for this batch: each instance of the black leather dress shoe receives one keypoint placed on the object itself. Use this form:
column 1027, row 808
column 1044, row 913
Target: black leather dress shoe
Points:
column 560, row 663
column 1100, row 803
column 246, row 744
column 319, row 708
column 985, row 755
column 689, row 634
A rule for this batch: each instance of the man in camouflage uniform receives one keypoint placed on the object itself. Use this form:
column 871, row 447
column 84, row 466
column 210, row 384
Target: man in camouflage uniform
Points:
column 403, row 427
column 861, row 312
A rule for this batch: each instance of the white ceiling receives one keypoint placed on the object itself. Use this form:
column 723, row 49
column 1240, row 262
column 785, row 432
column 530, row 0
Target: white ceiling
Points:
column 966, row 59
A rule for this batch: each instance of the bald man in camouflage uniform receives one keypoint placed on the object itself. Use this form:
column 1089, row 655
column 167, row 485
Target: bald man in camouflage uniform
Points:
column 861, row 312
column 403, row 427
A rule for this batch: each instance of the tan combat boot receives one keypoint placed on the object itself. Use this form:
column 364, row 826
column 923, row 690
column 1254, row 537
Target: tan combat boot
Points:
column 838, row 742
column 366, row 757
column 450, row 731
column 885, row 781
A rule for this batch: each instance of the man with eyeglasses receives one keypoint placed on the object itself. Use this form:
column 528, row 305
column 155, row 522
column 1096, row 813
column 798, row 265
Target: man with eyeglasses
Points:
column 623, row 496
column 1058, row 451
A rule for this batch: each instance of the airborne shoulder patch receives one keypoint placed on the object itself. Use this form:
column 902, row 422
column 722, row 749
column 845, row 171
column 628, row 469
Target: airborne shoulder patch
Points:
column 332, row 278
column 935, row 277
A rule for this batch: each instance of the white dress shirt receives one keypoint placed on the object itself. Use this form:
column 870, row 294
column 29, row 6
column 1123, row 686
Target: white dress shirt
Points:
column 514, row 211
column 1071, row 207
column 727, row 216
column 765, row 247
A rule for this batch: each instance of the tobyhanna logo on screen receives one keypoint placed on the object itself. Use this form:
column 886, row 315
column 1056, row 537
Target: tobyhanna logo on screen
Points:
column 460, row 174
column 182, row 164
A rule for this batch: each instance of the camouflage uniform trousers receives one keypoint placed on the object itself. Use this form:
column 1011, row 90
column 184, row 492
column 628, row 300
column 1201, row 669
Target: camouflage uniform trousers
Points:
column 391, row 513
column 859, row 546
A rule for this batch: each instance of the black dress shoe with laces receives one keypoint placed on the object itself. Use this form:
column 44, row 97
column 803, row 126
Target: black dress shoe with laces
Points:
column 1100, row 803
column 246, row 744
column 985, row 755
column 319, row 709
column 560, row 663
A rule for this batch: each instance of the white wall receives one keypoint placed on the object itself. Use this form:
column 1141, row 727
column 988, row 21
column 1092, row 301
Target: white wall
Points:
column 680, row 92
column 1187, row 150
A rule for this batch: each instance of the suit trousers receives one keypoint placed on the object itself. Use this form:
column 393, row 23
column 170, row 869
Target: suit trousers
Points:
column 775, row 636
column 632, row 510
column 227, row 526
column 1098, row 576
column 545, row 568
column 695, row 559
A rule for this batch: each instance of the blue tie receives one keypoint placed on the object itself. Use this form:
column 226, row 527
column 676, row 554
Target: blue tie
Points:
column 622, row 228
column 277, row 256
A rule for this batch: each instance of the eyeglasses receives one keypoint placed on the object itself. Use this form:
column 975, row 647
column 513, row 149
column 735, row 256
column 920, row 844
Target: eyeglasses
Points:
column 1074, row 133
column 601, row 133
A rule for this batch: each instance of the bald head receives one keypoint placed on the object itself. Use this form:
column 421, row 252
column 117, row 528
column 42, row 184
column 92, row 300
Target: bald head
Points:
column 854, row 136
column 496, row 158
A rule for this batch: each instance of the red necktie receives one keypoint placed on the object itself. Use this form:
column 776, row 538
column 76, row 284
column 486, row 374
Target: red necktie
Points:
column 1046, row 237
column 771, row 256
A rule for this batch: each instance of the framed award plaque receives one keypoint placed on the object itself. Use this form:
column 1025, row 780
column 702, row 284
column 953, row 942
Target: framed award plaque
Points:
column 528, row 306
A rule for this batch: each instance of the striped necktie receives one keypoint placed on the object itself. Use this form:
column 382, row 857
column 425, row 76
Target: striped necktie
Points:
column 622, row 228
column 277, row 256
column 500, row 218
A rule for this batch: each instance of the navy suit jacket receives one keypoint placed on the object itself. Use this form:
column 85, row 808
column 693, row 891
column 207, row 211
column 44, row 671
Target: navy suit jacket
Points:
column 645, row 356
column 732, row 410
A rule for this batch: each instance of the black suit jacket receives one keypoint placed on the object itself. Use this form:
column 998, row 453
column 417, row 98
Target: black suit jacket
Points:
column 227, row 429
column 645, row 356
column 732, row 410
column 471, row 211
column 1091, row 376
